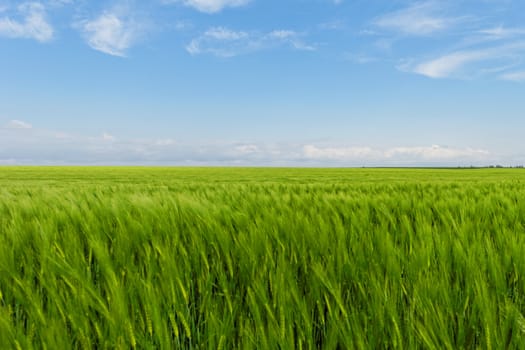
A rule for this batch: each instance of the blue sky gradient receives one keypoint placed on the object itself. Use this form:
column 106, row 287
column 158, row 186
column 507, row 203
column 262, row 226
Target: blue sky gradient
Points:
column 252, row 82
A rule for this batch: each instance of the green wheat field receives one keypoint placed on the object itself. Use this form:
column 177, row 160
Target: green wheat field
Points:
column 261, row 258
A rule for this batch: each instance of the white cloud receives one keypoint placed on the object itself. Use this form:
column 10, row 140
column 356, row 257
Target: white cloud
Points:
column 224, row 42
column 165, row 142
column 21, row 144
column 339, row 153
column 436, row 152
column 444, row 66
column 474, row 46
column 18, row 124
column 459, row 63
column 182, row 25
column 359, row 58
column 501, row 32
column 424, row 154
column 247, row 149
column 40, row 147
column 332, row 25
column 282, row 34
column 60, row 3
column 111, row 32
column 32, row 25
column 221, row 33
column 514, row 76
column 108, row 137
column 210, row 6
column 419, row 19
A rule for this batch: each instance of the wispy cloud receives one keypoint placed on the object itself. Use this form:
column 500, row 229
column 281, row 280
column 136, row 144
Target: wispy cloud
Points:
column 436, row 153
column 461, row 63
column 108, row 137
column 30, row 23
column 360, row 58
column 501, row 32
column 209, row 6
column 332, row 25
column 22, row 144
column 447, row 65
column 423, row 154
column 224, row 42
column 18, row 124
column 25, row 145
column 60, row 3
column 419, row 19
column 470, row 46
column 339, row 153
column 112, row 32
column 514, row 76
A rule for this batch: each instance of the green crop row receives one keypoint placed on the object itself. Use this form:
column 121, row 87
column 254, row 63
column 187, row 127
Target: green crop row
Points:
column 209, row 258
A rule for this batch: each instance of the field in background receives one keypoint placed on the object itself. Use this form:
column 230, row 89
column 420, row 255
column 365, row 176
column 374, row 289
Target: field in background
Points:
column 261, row 258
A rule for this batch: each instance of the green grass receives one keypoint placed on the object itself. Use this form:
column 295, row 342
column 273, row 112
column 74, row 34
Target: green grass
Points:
column 214, row 258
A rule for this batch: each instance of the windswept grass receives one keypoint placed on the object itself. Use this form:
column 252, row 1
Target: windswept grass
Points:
column 261, row 258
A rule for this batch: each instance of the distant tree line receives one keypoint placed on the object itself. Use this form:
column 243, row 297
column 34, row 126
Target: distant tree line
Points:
column 501, row 166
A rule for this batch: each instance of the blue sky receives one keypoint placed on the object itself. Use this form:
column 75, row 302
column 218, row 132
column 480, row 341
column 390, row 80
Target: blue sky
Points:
column 253, row 82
